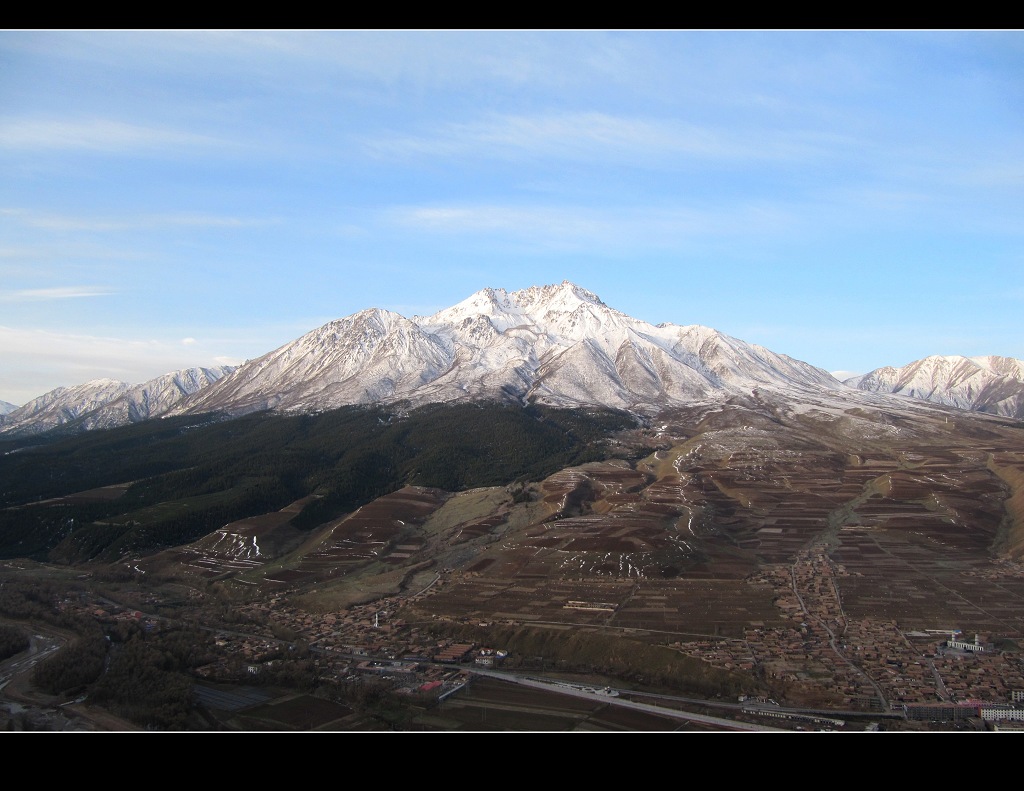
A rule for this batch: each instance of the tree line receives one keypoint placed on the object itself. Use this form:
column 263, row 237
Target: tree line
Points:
column 212, row 472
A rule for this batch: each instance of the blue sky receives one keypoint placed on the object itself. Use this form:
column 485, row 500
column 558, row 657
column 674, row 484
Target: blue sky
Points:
column 849, row 198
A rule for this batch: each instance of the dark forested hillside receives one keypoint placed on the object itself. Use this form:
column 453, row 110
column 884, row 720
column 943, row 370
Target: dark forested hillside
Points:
column 172, row 481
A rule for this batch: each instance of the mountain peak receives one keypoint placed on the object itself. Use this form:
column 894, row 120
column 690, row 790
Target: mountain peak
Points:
column 487, row 302
column 983, row 384
column 103, row 403
column 505, row 310
column 562, row 296
column 556, row 344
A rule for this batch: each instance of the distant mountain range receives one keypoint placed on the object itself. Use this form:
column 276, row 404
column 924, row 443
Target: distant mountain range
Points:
column 557, row 345
column 106, row 403
column 981, row 384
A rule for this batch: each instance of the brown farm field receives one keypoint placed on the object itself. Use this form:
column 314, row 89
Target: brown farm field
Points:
column 816, row 556
column 914, row 510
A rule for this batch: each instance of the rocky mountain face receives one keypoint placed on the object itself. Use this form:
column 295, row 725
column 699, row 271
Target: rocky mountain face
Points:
column 557, row 345
column 981, row 384
column 106, row 403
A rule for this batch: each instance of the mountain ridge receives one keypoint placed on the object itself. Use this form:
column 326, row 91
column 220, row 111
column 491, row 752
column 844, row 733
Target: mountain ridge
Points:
column 106, row 403
column 988, row 383
column 555, row 345
column 558, row 345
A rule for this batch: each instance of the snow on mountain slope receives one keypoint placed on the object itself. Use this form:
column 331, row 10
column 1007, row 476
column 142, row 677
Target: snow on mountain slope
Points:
column 572, row 349
column 154, row 398
column 374, row 355
column 105, row 403
column 62, row 405
column 984, row 384
column 556, row 344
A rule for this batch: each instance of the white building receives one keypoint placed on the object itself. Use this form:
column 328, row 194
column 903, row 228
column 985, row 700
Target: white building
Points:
column 998, row 711
column 955, row 641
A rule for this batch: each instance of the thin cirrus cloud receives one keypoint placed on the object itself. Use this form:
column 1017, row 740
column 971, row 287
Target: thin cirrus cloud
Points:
column 96, row 134
column 47, row 294
column 571, row 227
column 36, row 361
column 146, row 222
column 439, row 60
column 46, row 347
column 586, row 134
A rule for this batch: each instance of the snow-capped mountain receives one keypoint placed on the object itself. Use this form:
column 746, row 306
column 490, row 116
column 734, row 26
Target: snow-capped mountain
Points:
column 6, row 407
column 105, row 403
column 983, row 384
column 372, row 356
column 558, row 345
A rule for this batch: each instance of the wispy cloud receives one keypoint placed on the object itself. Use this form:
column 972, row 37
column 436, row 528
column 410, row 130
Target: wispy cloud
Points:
column 504, row 219
column 439, row 59
column 47, row 294
column 145, row 222
column 33, row 362
column 23, row 253
column 96, row 134
column 595, row 134
column 584, row 227
column 379, row 64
